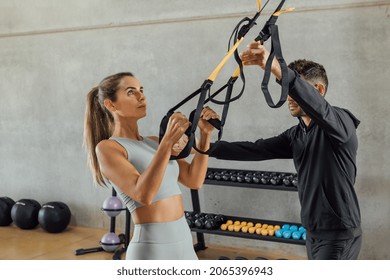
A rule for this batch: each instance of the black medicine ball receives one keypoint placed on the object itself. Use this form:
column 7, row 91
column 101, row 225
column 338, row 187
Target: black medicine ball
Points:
column 24, row 213
column 54, row 216
column 6, row 204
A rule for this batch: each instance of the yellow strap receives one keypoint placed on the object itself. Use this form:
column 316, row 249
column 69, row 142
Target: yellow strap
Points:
column 215, row 73
column 224, row 60
column 278, row 13
column 236, row 73
column 258, row 4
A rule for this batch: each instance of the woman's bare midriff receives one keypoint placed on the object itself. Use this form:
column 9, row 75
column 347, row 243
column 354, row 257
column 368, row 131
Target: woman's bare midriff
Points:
column 165, row 210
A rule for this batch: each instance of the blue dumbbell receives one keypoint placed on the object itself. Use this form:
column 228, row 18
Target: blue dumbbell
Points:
column 301, row 228
column 287, row 234
column 286, row 226
column 279, row 233
column 296, row 235
column 304, row 235
column 293, row 228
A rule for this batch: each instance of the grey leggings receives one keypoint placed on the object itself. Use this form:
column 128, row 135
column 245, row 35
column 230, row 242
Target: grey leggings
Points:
column 162, row 241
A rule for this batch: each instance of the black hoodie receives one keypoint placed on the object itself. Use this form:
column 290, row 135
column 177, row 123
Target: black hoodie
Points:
column 324, row 155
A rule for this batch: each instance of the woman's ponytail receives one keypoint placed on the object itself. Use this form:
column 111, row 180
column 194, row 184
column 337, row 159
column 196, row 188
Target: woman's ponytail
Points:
column 98, row 125
column 98, row 121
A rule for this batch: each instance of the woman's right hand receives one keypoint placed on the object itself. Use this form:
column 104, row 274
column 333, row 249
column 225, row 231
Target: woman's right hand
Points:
column 177, row 125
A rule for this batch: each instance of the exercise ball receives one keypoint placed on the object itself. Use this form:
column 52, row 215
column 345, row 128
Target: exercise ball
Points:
column 112, row 206
column 54, row 216
column 6, row 204
column 24, row 213
column 110, row 242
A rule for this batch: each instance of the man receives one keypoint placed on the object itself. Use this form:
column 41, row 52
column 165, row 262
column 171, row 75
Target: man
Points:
column 323, row 146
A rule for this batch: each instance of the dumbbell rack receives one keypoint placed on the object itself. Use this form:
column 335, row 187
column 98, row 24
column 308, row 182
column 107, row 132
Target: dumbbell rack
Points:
column 126, row 236
column 200, row 245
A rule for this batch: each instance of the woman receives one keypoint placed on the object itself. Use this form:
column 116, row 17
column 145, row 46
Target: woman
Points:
column 139, row 169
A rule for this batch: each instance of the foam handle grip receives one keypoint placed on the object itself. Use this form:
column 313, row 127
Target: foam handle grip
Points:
column 216, row 123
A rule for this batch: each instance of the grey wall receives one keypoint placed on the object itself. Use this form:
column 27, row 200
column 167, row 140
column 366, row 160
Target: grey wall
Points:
column 52, row 53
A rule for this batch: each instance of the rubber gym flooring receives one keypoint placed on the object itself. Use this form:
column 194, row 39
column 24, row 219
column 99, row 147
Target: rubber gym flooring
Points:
column 36, row 244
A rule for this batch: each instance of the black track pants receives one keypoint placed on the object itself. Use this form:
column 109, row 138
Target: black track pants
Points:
column 318, row 249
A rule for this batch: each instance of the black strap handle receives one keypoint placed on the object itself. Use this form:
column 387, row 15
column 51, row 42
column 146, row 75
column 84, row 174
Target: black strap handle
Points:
column 276, row 51
column 221, row 122
column 190, row 132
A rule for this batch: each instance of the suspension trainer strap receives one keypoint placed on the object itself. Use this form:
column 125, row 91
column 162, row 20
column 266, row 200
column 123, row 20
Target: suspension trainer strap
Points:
column 270, row 29
column 204, row 89
column 276, row 51
column 239, row 33
column 165, row 119
column 190, row 132
column 221, row 123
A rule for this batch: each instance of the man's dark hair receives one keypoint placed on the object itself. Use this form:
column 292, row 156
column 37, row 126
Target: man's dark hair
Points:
column 310, row 71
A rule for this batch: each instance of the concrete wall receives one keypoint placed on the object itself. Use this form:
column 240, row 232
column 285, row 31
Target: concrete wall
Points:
column 52, row 53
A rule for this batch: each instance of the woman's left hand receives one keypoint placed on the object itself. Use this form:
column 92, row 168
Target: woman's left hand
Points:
column 203, row 124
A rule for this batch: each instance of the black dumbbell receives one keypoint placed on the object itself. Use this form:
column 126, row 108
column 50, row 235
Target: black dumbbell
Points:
column 248, row 177
column 213, row 221
column 210, row 224
column 295, row 181
column 276, row 180
column 265, row 179
column 287, row 180
column 256, row 178
column 219, row 219
column 199, row 220
column 210, row 175
column 226, row 175
column 217, row 176
column 240, row 177
column 189, row 218
column 233, row 177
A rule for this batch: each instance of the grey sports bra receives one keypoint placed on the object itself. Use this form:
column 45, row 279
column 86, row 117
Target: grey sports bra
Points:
column 140, row 154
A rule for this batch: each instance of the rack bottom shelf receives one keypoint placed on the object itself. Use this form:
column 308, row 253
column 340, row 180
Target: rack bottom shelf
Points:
column 254, row 235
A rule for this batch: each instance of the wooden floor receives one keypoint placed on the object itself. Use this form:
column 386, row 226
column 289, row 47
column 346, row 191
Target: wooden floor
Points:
column 36, row 244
